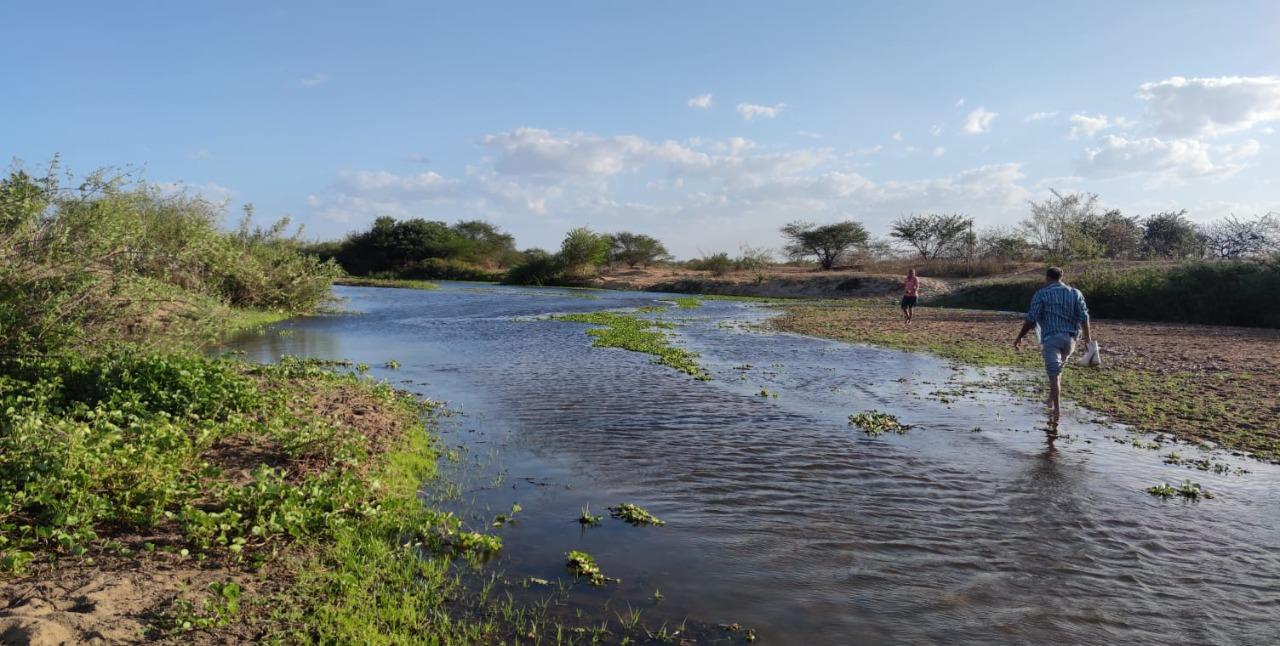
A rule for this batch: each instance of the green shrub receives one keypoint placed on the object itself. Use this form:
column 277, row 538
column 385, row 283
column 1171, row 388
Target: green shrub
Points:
column 448, row 269
column 538, row 268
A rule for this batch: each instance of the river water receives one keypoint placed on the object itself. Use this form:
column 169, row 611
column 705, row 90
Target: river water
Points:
column 970, row 528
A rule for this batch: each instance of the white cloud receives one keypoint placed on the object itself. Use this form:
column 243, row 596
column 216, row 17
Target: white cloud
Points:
column 314, row 79
column 1084, row 125
column 897, row 136
column 1211, row 106
column 750, row 111
column 1172, row 160
column 939, row 151
column 936, row 130
column 809, row 134
column 211, row 191
column 1039, row 116
column 199, row 153
column 702, row 101
column 960, row 103
column 979, row 121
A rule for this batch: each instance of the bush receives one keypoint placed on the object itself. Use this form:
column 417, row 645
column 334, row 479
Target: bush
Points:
column 718, row 264
column 538, row 268
column 114, row 260
column 1214, row 293
column 448, row 269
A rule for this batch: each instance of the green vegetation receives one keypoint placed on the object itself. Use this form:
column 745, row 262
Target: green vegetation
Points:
column 419, row 249
column 1188, row 490
column 634, row 514
column 111, row 261
column 1243, row 293
column 688, row 302
column 828, row 243
column 875, row 423
column 632, row 333
column 587, row 518
column 401, row 283
column 582, row 565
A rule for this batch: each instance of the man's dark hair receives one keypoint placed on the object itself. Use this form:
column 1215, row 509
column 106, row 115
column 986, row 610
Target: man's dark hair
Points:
column 1053, row 273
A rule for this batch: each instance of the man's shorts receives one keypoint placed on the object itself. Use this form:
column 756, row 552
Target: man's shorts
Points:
column 1056, row 350
column 908, row 301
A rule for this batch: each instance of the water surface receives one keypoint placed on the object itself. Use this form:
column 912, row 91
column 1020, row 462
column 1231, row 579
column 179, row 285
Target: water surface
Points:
column 970, row 528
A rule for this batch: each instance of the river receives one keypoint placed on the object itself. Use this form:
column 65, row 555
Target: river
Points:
column 970, row 528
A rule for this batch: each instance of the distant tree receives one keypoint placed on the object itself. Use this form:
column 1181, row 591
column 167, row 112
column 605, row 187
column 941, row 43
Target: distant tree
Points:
column 481, row 241
column 1004, row 244
column 583, row 249
column 825, row 242
column 634, row 249
column 1231, row 237
column 933, row 235
column 1118, row 236
column 537, row 268
column 1171, row 235
column 1059, row 223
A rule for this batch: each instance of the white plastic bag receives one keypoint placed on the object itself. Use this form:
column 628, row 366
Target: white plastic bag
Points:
column 1092, row 355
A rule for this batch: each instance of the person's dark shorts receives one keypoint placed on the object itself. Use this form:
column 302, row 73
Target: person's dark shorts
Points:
column 908, row 301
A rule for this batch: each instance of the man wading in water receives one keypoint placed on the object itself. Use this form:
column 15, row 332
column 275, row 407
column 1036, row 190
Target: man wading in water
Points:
column 1060, row 312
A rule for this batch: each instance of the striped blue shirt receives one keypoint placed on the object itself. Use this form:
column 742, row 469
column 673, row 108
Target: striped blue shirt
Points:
column 1058, row 309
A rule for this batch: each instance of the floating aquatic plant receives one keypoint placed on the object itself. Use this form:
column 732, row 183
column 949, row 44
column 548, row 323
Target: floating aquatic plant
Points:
column 634, row 514
column 875, row 423
column 587, row 518
column 638, row 335
column 583, row 565
column 1188, row 490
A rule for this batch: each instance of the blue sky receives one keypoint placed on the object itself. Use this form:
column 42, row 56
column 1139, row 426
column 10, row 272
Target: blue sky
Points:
column 707, row 124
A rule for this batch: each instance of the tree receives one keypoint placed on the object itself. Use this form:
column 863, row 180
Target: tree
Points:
column 1119, row 236
column 1004, row 244
column 1059, row 223
column 480, row 241
column 933, row 235
column 635, row 249
column 825, row 242
column 1170, row 235
column 583, row 249
column 1234, row 238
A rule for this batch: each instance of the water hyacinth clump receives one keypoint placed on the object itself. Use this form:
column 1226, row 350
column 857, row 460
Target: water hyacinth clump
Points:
column 582, row 565
column 632, row 333
column 634, row 514
column 875, row 423
column 1188, row 490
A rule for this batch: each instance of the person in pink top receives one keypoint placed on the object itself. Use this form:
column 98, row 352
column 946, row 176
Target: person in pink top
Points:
column 911, row 291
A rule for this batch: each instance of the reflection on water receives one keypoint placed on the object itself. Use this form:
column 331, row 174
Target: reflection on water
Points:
column 970, row 528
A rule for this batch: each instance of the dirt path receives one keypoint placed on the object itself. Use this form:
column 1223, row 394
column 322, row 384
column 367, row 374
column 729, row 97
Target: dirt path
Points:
column 1202, row 383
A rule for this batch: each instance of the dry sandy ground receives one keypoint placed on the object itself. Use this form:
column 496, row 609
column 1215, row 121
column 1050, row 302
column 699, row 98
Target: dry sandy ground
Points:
column 775, row 282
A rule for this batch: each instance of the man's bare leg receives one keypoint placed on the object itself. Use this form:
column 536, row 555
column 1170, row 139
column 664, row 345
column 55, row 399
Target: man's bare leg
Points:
column 1055, row 399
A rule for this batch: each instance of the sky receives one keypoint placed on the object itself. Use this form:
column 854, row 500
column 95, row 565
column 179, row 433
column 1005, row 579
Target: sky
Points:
column 706, row 124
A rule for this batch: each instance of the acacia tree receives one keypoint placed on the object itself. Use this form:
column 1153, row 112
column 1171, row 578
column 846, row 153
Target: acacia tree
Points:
column 825, row 242
column 1231, row 237
column 635, row 249
column 934, row 234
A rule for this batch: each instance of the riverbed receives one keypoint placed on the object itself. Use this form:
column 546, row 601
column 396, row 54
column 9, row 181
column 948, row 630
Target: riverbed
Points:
column 973, row 527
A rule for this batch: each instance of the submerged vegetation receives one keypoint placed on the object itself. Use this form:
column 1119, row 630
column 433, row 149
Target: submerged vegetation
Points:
column 875, row 423
column 629, row 332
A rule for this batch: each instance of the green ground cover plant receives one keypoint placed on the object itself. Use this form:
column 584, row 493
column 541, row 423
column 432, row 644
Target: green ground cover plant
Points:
column 875, row 423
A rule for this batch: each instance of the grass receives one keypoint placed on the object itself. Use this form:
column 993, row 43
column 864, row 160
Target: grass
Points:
column 401, row 283
column 629, row 332
column 1196, row 405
